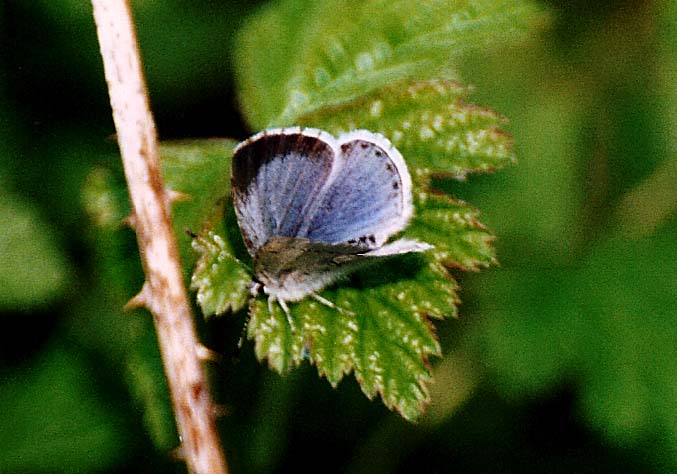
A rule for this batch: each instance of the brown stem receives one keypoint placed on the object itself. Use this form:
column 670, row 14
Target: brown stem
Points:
column 163, row 293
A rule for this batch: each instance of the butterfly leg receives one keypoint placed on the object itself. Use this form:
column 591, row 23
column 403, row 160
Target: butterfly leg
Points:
column 254, row 288
column 331, row 305
column 271, row 298
column 285, row 308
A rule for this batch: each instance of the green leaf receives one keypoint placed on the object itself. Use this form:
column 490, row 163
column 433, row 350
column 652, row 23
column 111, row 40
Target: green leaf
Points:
column 222, row 281
column 429, row 123
column 104, row 198
column 460, row 240
column 53, row 420
column 297, row 56
column 33, row 269
column 379, row 330
column 609, row 323
column 200, row 170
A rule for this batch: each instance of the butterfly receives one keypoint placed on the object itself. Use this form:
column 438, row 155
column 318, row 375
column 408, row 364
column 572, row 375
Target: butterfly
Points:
column 313, row 208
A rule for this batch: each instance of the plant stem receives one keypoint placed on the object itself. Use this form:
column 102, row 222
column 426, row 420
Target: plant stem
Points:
column 163, row 292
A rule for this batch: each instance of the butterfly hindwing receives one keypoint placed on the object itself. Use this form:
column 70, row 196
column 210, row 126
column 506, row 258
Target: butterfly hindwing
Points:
column 369, row 197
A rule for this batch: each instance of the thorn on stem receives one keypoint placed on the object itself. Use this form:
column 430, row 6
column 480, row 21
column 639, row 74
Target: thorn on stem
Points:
column 172, row 196
column 141, row 300
column 129, row 221
column 206, row 354
column 177, row 453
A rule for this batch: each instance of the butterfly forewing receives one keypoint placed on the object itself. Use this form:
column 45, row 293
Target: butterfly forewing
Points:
column 276, row 175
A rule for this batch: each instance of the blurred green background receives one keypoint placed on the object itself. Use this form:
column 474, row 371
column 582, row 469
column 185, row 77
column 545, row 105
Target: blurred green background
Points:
column 564, row 358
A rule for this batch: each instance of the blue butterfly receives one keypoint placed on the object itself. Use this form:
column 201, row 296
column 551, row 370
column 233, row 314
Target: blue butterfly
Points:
column 312, row 208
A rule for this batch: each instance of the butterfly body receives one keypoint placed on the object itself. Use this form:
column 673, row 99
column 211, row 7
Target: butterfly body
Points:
column 313, row 208
column 290, row 268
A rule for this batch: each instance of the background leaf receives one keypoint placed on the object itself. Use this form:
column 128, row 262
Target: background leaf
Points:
column 586, row 331
column 344, row 49
column 200, row 170
column 54, row 420
column 429, row 123
column 33, row 270
column 126, row 341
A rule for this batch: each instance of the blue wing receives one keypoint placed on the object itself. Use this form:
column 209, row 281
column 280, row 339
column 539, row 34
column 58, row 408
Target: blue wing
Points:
column 312, row 208
column 368, row 197
column 277, row 175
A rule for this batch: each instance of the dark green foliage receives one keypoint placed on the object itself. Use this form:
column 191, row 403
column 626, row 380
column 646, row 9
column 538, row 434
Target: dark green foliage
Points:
column 562, row 358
